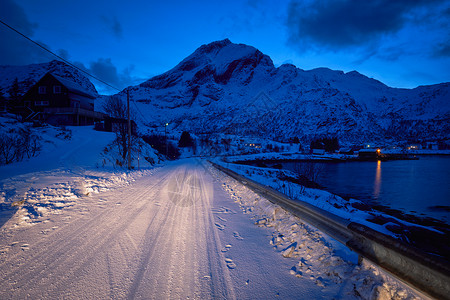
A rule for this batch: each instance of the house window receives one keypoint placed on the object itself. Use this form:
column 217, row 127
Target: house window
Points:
column 41, row 103
column 56, row 89
column 76, row 104
column 42, row 90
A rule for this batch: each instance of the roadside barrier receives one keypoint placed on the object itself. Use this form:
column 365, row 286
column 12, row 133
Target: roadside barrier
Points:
column 427, row 273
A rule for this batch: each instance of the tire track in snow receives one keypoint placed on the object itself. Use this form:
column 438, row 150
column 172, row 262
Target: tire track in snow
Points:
column 181, row 258
column 84, row 236
column 168, row 249
column 218, row 268
column 86, row 224
column 152, row 235
column 69, row 240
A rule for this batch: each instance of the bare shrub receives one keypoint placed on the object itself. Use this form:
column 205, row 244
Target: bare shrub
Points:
column 7, row 149
column 15, row 146
column 311, row 170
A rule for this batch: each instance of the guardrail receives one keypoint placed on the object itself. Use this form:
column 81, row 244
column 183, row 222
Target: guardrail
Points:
column 422, row 271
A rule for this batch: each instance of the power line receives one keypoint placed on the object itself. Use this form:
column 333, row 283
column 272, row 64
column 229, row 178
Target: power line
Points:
column 142, row 115
column 56, row 55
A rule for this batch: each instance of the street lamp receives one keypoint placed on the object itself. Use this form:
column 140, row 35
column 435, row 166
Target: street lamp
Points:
column 167, row 142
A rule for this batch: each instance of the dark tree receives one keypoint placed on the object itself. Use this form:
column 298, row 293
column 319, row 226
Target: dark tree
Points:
column 185, row 140
column 158, row 142
column 227, row 144
column 295, row 140
column 327, row 143
column 14, row 96
column 115, row 107
column 3, row 102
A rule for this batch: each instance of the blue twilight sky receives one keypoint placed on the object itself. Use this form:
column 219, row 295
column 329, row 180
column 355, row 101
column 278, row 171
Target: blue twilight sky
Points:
column 403, row 43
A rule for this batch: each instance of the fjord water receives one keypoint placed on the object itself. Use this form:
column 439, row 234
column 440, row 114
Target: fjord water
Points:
column 419, row 187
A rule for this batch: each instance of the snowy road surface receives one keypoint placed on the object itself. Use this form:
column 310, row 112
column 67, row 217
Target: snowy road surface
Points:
column 182, row 232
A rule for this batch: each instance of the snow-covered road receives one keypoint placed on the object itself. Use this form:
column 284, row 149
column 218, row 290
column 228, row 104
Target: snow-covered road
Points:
column 182, row 232
column 153, row 239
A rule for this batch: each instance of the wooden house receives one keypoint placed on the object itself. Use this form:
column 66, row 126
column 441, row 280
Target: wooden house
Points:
column 59, row 101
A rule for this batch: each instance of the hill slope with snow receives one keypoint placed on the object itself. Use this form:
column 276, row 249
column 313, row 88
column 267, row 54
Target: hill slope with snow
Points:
column 234, row 88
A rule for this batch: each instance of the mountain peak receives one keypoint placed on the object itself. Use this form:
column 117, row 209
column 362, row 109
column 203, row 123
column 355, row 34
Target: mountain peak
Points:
column 214, row 46
column 220, row 58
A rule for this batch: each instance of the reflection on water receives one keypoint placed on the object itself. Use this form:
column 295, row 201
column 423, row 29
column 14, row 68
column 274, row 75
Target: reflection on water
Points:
column 377, row 184
column 421, row 187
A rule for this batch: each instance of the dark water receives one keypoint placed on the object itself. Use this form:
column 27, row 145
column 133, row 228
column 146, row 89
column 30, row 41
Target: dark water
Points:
column 420, row 187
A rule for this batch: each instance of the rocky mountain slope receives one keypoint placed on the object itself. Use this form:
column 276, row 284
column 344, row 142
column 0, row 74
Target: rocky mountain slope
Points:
column 234, row 88
column 28, row 75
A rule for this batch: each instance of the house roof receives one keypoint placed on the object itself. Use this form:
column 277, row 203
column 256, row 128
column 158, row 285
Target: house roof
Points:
column 73, row 86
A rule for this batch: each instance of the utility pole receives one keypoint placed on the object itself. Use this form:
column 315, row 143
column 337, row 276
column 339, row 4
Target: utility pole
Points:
column 129, row 130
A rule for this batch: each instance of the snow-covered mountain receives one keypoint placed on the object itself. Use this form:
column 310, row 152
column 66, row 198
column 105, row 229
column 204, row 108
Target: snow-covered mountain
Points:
column 28, row 75
column 234, row 88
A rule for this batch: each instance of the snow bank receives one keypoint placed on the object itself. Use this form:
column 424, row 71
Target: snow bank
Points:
column 349, row 209
column 73, row 163
column 313, row 255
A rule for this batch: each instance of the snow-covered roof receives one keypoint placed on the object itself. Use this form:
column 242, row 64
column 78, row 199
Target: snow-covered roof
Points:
column 73, row 86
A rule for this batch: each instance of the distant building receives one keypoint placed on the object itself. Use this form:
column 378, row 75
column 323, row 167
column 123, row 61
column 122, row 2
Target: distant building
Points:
column 59, row 101
column 432, row 146
column 415, row 147
column 347, row 151
column 370, row 154
column 254, row 145
column 318, row 151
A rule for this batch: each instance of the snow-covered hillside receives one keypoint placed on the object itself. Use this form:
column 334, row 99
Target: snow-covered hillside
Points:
column 234, row 88
column 28, row 75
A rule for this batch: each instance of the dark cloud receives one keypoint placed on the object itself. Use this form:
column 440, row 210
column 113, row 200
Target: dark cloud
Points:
column 15, row 49
column 14, row 15
column 443, row 50
column 63, row 53
column 340, row 24
column 113, row 25
column 104, row 69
